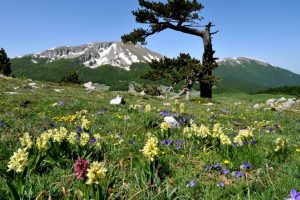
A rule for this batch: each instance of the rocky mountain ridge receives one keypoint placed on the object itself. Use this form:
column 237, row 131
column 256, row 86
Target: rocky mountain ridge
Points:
column 101, row 53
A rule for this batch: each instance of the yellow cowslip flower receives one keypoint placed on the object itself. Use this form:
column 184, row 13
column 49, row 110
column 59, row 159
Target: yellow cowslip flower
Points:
column 217, row 130
column 203, row 131
column 187, row 131
column 280, row 144
column 72, row 138
column 84, row 138
column 59, row 135
column 85, row 123
column 18, row 161
column 297, row 150
column 148, row 108
column 238, row 140
column 164, row 126
column 26, row 141
column 151, row 149
column 43, row 139
column 245, row 133
column 96, row 173
column 181, row 107
column 224, row 139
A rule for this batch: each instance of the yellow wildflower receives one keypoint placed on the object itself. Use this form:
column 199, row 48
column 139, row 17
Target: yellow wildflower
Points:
column 43, row 139
column 203, row 131
column 164, row 126
column 181, row 108
column 187, row 131
column 280, row 144
column 96, row 173
column 26, row 141
column 59, row 135
column 226, row 162
column 84, row 138
column 85, row 123
column 72, row 138
column 217, row 130
column 148, row 108
column 151, row 149
column 18, row 161
column 224, row 139
column 297, row 150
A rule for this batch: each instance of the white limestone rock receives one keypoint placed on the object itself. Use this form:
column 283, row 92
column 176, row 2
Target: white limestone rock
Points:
column 269, row 102
column 89, row 86
column 171, row 121
column 256, row 106
column 117, row 101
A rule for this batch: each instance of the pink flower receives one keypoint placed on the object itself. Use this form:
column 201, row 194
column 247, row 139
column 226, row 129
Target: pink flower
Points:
column 80, row 168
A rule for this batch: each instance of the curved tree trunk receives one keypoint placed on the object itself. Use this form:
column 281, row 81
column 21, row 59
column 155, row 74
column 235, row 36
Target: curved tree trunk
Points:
column 207, row 59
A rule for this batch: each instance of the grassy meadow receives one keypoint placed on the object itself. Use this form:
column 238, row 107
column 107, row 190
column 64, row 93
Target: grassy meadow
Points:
column 63, row 142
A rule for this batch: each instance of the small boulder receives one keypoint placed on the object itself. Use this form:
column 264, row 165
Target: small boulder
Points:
column 282, row 99
column 89, row 86
column 171, row 121
column 117, row 101
column 256, row 106
column 269, row 102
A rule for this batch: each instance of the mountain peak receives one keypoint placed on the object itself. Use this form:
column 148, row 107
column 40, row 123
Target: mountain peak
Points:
column 242, row 59
column 102, row 53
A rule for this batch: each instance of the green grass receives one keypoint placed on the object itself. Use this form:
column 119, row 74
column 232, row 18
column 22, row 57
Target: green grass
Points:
column 124, row 132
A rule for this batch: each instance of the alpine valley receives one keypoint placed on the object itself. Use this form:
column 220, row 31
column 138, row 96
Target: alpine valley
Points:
column 117, row 65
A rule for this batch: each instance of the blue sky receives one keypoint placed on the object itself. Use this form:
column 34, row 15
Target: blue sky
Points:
column 268, row 30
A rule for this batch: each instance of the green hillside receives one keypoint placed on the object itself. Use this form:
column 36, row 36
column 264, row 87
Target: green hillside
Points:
column 250, row 76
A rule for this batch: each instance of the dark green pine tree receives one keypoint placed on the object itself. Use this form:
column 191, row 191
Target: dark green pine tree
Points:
column 183, row 69
column 4, row 63
column 182, row 16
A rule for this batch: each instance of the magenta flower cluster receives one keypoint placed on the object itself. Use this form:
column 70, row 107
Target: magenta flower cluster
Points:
column 80, row 168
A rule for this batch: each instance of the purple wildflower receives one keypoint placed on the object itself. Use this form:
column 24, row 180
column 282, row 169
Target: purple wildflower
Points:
column 246, row 166
column 178, row 147
column 245, row 142
column 178, row 142
column 276, row 126
column 51, row 124
column 174, row 115
column 169, row 142
column 163, row 142
column 80, row 168
column 78, row 129
column 216, row 166
column 238, row 174
column 61, row 103
column 221, row 184
column 93, row 140
column 252, row 142
column 2, row 123
column 270, row 129
column 192, row 183
column 294, row 195
column 164, row 113
column 225, row 171
column 235, row 144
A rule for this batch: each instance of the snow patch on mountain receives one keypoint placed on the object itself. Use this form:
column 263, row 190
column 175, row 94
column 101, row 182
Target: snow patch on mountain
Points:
column 102, row 53
column 240, row 60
